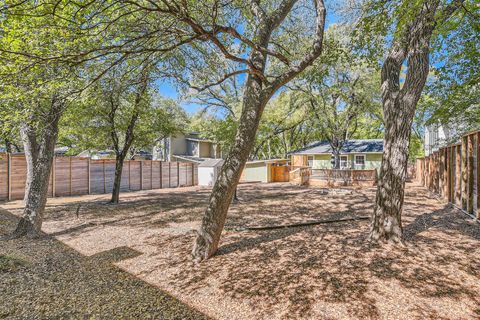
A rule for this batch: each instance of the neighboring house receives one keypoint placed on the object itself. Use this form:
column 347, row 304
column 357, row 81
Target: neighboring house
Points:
column 186, row 148
column 440, row 135
column 355, row 154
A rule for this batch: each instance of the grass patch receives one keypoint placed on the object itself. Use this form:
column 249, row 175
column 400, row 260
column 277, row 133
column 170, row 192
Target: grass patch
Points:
column 11, row 263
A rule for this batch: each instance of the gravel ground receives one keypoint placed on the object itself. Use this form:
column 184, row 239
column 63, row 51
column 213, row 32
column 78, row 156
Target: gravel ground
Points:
column 317, row 272
column 48, row 280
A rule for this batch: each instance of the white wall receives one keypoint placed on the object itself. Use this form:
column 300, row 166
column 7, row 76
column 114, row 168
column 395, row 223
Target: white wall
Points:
column 206, row 176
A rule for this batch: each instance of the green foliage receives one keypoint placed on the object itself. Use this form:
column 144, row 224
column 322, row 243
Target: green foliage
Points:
column 88, row 125
column 28, row 86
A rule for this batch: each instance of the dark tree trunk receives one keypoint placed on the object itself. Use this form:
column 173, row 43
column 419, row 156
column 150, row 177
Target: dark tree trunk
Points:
column 121, row 153
column 257, row 93
column 399, row 105
column 213, row 221
column 387, row 224
column 235, row 198
column 336, row 159
column 117, row 181
column 8, row 146
column 39, row 156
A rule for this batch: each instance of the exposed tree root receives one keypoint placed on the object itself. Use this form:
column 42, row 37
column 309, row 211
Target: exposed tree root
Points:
column 296, row 225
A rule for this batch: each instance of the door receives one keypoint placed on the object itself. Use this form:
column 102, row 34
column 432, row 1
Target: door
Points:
column 280, row 173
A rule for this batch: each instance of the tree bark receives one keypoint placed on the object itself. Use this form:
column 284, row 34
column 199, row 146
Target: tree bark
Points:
column 257, row 94
column 208, row 236
column 121, row 154
column 39, row 156
column 117, row 181
column 399, row 105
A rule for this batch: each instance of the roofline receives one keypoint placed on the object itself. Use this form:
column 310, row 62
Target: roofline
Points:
column 200, row 140
column 188, row 159
column 267, row 161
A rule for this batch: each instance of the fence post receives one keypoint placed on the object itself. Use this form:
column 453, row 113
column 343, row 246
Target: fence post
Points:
column 89, row 175
column 129, row 185
column 178, row 174
column 478, row 174
column 141, row 175
column 464, row 173
column 160, row 170
column 169, row 174
column 54, row 177
column 470, row 174
column 104, row 178
column 70, row 175
column 9, row 177
column 193, row 174
column 151, row 174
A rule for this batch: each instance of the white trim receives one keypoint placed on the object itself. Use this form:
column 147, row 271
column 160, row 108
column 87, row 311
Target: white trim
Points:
column 346, row 161
column 355, row 159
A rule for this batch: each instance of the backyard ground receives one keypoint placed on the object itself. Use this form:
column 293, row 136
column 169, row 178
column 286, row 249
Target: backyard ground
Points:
column 131, row 259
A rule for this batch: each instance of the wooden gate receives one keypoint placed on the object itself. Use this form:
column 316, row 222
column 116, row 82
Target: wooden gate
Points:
column 280, row 173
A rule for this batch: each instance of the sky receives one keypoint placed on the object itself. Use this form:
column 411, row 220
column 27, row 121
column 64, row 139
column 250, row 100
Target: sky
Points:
column 169, row 91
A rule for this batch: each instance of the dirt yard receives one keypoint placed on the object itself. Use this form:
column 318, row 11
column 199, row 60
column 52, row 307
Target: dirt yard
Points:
column 140, row 249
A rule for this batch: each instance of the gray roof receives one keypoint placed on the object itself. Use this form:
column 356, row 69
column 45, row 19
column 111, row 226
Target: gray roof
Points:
column 189, row 158
column 350, row 146
column 212, row 163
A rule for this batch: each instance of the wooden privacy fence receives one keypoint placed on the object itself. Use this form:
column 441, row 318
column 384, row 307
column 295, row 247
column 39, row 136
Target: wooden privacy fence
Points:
column 453, row 172
column 79, row 176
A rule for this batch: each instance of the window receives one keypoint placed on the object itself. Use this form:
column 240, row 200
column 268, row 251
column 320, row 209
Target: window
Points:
column 360, row 160
column 343, row 162
column 310, row 161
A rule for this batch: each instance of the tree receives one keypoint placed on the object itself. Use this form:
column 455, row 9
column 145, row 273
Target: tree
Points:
column 120, row 111
column 339, row 90
column 410, row 44
column 284, row 127
column 258, row 91
column 33, row 98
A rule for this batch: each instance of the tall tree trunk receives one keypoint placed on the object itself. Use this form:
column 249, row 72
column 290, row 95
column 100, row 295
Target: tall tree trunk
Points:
column 336, row 159
column 208, row 237
column 399, row 105
column 39, row 156
column 255, row 98
column 386, row 223
column 117, row 181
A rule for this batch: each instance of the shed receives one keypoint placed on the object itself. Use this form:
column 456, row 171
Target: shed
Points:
column 274, row 170
column 208, row 171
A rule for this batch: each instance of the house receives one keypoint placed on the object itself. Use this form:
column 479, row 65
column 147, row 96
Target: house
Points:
column 440, row 135
column 355, row 154
column 188, row 147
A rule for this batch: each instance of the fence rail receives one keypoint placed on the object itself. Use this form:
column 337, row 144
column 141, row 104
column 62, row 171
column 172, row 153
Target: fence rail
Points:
column 453, row 173
column 300, row 175
column 79, row 176
column 344, row 176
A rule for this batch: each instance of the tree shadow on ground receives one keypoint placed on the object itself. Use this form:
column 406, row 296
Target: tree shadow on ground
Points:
column 57, row 282
column 302, row 272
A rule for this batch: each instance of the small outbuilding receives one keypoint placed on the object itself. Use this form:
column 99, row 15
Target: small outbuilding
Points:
column 208, row 171
column 274, row 170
